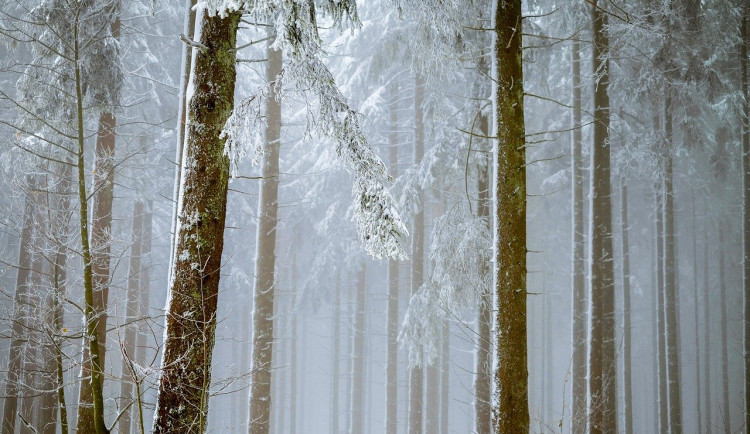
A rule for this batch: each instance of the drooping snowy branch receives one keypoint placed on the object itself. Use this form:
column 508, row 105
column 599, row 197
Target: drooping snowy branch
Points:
column 379, row 224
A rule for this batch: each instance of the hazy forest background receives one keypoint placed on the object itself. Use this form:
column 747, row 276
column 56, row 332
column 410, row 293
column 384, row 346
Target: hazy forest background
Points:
column 422, row 216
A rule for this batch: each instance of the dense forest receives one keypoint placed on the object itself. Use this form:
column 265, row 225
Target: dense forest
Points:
column 399, row 216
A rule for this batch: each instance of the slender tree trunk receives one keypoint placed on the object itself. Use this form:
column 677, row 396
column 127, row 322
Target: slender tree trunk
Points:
column 416, row 376
column 358, row 357
column 670, row 279
column 746, row 205
column 20, row 312
column 293, row 350
column 626, row 338
column 483, row 357
column 707, row 334
column 725, row 411
column 445, row 378
column 265, row 258
column 511, row 375
column 336, row 327
column 142, row 342
column 244, row 362
column 655, row 330
column 131, row 315
column 391, row 367
column 187, row 58
column 101, row 228
column 696, row 330
column 182, row 402
column 661, row 352
column 578, row 413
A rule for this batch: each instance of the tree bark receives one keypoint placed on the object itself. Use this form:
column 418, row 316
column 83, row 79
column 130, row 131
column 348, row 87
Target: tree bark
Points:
column 511, row 374
column 265, row 258
column 660, row 316
column 696, row 330
column 745, row 204
column 335, row 357
column 445, row 378
column 626, row 332
column 391, row 367
column 602, row 372
column 725, row 411
column 182, row 402
column 131, row 315
column 578, row 413
column 707, row 334
column 416, row 374
column 357, row 409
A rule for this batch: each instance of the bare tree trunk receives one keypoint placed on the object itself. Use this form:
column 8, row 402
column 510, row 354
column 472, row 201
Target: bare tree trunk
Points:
column 696, row 330
column 602, row 372
column 483, row 361
column 265, row 258
column 131, row 314
column 445, row 378
column 725, row 411
column 20, row 312
column 416, row 375
column 707, row 334
column 142, row 349
column 182, row 402
column 358, row 357
column 670, row 279
column 101, row 226
column 660, row 317
column 578, row 413
column 391, row 367
column 293, row 350
column 745, row 205
column 336, row 328
column 626, row 338
column 511, row 374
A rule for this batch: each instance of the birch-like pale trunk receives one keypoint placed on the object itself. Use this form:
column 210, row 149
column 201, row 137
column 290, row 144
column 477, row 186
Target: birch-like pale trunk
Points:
column 265, row 257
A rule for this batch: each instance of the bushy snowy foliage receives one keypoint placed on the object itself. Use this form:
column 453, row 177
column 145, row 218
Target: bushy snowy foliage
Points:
column 379, row 225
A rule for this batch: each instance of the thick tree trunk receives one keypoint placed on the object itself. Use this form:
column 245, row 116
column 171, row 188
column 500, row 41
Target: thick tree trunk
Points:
column 391, row 367
column 483, row 356
column 725, row 410
column 20, row 312
column 602, row 372
column 335, row 356
column 191, row 318
column 511, row 374
column 265, row 259
column 131, row 315
column 101, row 228
column 670, row 280
column 357, row 408
column 416, row 375
column 626, row 337
column 578, row 413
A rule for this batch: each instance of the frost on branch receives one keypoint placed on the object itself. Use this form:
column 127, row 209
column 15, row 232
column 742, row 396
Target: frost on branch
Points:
column 421, row 328
column 379, row 225
column 242, row 132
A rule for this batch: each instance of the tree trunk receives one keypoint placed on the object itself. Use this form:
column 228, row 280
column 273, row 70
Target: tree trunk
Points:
column 602, row 372
column 182, row 402
column 416, row 376
column 20, row 312
column 483, row 361
column 511, row 374
column 293, row 350
column 445, row 378
column 746, row 204
column 626, row 338
column 265, row 258
column 185, row 65
column 391, row 367
column 101, row 228
column 661, row 352
column 335, row 356
column 670, row 279
column 707, row 334
column 696, row 330
column 578, row 413
column 725, row 411
column 131, row 315
column 358, row 357
column 142, row 342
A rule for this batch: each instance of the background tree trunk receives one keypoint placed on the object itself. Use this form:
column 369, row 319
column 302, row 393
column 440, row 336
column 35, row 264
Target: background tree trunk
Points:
column 660, row 316
column 191, row 318
column 391, row 368
column 265, row 258
column 357, row 408
column 725, row 412
column 745, row 204
column 626, row 327
column 335, row 338
column 511, row 374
